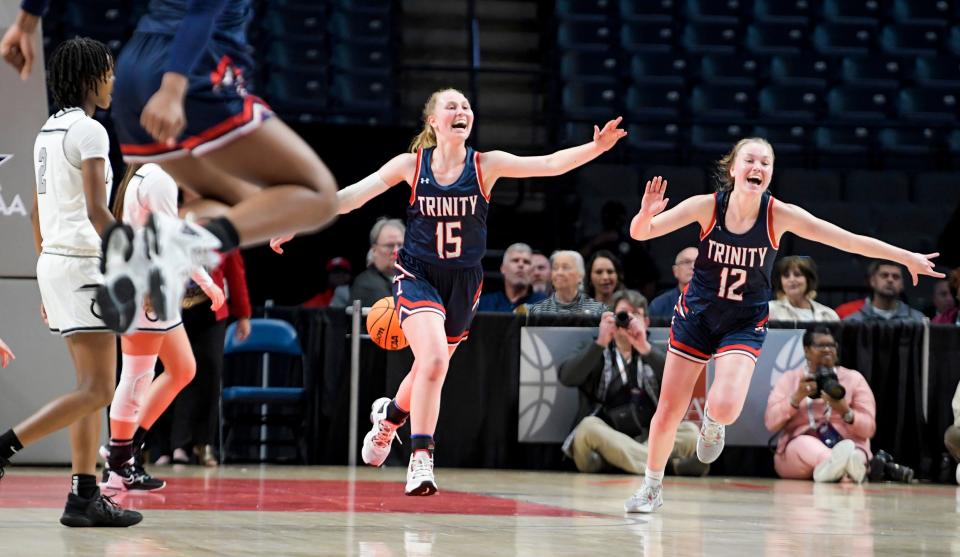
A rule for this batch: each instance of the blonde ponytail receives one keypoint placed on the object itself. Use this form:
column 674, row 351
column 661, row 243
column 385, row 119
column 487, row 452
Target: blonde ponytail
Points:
column 428, row 137
column 122, row 190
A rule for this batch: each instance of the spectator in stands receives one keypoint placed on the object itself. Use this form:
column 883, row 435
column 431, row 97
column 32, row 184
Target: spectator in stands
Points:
column 886, row 280
column 951, row 438
column 540, row 273
column 823, row 437
column 618, row 377
column 795, row 287
column 638, row 266
column 516, row 291
column 950, row 316
column 376, row 282
column 566, row 271
column 606, row 276
column 337, row 292
column 662, row 305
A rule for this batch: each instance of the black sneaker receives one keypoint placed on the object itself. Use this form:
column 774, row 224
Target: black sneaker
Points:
column 130, row 478
column 98, row 512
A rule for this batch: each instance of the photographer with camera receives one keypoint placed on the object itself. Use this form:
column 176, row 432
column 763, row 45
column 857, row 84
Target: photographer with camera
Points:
column 826, row 414
column 619, row 378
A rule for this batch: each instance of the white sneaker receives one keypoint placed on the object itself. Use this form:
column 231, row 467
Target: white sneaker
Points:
column 710, row 442
column 377, row 441
column 175, row 247
column 647, row 499
column 124, row 268
column 420, row 479
column 856, row 468
column 958, row 473
column 835, row 466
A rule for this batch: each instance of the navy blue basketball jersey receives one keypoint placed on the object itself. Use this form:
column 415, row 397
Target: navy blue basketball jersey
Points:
column 447, row 224
column 165, row 16
column 735, row 268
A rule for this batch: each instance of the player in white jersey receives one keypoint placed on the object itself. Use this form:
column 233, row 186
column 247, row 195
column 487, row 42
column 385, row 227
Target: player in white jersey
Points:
column 139, row 400
column 70, row 213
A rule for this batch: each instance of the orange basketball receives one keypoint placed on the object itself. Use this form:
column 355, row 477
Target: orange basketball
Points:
column 383, row 325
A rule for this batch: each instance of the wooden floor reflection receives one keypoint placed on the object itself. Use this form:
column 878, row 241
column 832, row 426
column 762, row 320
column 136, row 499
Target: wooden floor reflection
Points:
column 274, row 510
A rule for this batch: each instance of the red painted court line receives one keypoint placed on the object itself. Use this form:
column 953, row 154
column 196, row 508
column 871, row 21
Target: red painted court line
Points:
column 238, row 494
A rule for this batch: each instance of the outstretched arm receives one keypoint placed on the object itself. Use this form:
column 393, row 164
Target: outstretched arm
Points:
column 398, row 169
column 652, row 221
column 790, row 218
column 500, row 164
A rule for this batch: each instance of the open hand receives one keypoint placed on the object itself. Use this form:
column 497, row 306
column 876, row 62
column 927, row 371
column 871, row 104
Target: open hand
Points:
column 609, row 135
column 920, row 264
column 654, row 202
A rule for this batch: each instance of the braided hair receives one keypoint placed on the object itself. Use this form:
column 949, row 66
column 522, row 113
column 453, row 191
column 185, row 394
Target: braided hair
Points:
column 76, row 68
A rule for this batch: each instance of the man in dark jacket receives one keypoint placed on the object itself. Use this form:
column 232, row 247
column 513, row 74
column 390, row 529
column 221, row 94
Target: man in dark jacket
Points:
column 376, row 282
column 619, row 377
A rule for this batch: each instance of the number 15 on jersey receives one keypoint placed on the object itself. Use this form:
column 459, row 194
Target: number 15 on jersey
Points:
column 449, row 243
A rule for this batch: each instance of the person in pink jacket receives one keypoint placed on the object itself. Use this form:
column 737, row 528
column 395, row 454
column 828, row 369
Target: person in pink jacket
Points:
column 823, row 437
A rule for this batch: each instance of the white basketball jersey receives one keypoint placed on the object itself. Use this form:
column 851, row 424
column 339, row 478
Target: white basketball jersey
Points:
column 150, row 190
column 62, row 205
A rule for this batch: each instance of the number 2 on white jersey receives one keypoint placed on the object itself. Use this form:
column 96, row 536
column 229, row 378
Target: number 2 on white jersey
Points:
column 738, row 276
column 449, row 243
column 42, row 171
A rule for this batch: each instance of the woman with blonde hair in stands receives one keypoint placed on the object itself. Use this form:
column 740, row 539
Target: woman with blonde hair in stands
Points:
column 139, row 400
column 438, row 272
column 795, row 287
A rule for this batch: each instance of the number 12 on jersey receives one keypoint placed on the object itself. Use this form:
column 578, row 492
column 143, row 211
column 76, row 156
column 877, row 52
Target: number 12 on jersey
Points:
column 738, row 276
column 449, row 243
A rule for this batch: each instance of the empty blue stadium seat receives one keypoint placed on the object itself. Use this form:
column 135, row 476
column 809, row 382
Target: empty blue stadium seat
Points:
column 777, row 38
column 714, row 11
column 929, row 105
column 912, row 40
column 933, row 12
column 740, row 69
column 361, row 56
column 844, row 141
column 723, row 101
column 810, row 70
column 653, row 138
column 910, row 141
column 802, row 185
column 588, row 100
column 585, row 35
column 367, row 95
column 636, row 36
column 648, row 10
column 657, row 68
column 589, row 8
column 792, row 139
column 938, row 71
column 290, row 22
column 844, row 39
column 852, row 11
column 297, row 54
column 589, row 64
column 703, row 38
column 874, row 70
column 359, row 27
column 790, row 103
column 858, row 102
column 717, row 138
column 937, row 188
column 654, row 100
column 796, row 12
column 372, row 7
column 292, row 92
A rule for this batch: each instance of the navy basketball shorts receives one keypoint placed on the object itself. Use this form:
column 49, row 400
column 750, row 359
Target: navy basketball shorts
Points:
column 450, row 292
column 701, row 329
column 217, row 106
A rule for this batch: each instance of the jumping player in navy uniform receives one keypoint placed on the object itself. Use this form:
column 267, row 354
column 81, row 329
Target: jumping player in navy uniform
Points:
column 181, row 101
column 723, row 312
column 438, row 274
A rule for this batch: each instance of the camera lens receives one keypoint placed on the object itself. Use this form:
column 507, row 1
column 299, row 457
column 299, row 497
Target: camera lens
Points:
column 623, row 319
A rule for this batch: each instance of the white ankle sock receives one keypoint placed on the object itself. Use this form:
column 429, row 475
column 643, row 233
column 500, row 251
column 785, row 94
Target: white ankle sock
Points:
column 653, row 478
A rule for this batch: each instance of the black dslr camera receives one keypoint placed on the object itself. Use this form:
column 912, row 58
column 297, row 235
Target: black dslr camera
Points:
column 827, row 382
column 623, row 319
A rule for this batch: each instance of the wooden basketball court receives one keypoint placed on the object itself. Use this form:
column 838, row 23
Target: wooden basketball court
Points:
column 275, row 510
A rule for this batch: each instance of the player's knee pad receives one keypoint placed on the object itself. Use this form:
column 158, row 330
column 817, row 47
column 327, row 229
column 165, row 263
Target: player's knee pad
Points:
column 135, row 378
